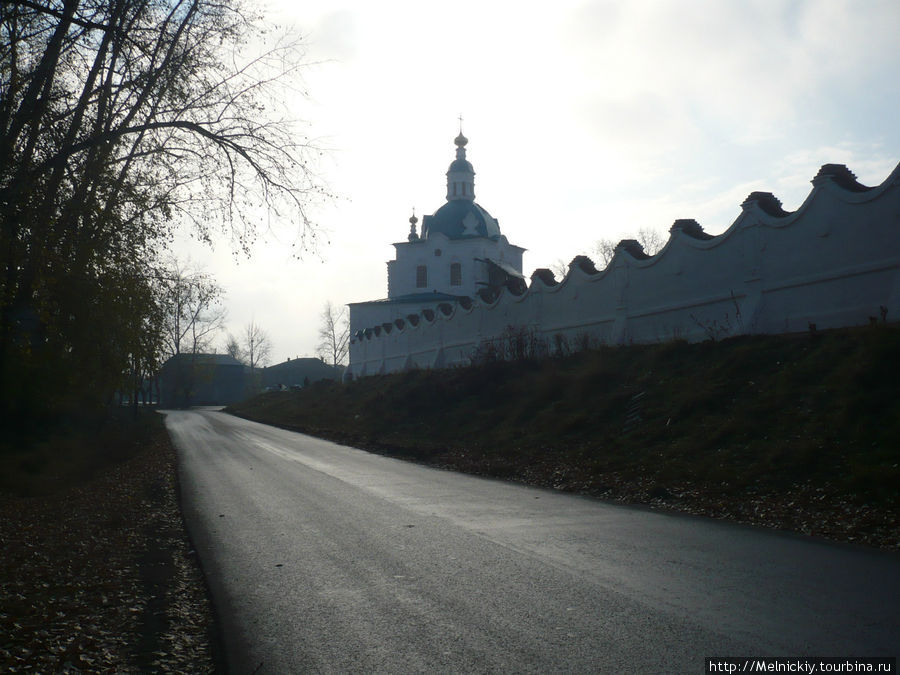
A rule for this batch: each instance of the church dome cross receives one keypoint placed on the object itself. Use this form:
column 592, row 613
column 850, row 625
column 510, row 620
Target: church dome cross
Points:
column 461, row 175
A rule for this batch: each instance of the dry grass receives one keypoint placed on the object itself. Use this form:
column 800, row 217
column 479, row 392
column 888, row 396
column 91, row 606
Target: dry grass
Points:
column 794, row 432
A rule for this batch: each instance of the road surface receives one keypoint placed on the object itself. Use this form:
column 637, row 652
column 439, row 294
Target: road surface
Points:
column 324, row 558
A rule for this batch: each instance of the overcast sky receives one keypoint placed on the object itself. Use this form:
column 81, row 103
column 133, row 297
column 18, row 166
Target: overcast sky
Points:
column 585, row 120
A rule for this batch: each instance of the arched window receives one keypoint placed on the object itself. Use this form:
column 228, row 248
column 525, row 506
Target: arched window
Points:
column 421, row 276
column 455, row 274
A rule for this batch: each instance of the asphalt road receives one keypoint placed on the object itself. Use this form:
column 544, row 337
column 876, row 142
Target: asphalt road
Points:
column 323, row 558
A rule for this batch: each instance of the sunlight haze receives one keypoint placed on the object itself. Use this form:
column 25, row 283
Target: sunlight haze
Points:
column 585, row 120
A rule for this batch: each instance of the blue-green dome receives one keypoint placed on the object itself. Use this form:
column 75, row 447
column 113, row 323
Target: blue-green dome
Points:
column 461, row 218
column 461, row 165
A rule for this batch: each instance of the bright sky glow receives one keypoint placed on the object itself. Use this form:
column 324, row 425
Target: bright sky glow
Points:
column 585, row 120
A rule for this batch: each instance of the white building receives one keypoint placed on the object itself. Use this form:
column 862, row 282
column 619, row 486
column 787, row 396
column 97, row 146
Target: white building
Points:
column 459, row 255
column 833, row 262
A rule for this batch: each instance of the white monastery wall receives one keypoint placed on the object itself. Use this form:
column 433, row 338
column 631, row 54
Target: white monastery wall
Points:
column 834, row 262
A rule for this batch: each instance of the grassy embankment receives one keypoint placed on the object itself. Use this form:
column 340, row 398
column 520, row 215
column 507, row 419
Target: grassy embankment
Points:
column 98, row 575
column 795, row 432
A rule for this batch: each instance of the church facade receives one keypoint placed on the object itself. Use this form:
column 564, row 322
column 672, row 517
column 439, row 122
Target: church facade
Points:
column 459, row 254
column 457, row 285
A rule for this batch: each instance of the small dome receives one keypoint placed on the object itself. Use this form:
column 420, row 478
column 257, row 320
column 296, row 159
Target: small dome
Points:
column 459, row 219
column 413, row 235
column 460, row 140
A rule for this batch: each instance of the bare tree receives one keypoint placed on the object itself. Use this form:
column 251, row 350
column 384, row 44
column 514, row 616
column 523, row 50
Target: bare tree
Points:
column 334, row 334
column 194, row 314
column 651, row 240
column 257, row 346
column 233, row 348
column 559, row 268
column 604, row 249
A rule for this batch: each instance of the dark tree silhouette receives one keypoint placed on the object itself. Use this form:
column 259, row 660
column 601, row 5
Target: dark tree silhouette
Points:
column 120, row 119
column 233, row 348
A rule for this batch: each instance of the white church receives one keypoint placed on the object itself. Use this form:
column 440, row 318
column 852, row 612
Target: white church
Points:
column 458, row 284
column 459, row 253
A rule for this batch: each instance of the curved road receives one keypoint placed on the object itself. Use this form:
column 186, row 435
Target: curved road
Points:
column 323, row 558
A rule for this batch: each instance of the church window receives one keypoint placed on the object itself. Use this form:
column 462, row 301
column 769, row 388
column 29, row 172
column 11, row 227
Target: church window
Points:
column 455, row 274
column 421, row 276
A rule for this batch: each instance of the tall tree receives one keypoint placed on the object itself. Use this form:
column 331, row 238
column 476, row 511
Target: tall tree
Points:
column 118, row 120
column 257, row 346
column 334, row 335
column 194, row 314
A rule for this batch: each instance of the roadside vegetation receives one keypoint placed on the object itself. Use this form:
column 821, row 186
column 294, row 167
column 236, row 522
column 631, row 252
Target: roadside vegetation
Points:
column 122, row 125
column 98, row 573
column 796, row 432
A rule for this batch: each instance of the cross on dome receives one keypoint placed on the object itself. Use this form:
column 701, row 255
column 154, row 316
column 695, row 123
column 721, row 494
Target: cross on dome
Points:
column 460, row 140
column 413, row 235
column 460, row 217
column 461, row 175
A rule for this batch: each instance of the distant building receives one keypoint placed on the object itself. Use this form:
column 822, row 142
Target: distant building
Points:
column 201, row 379
column 218, row 379
column 299, row 372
